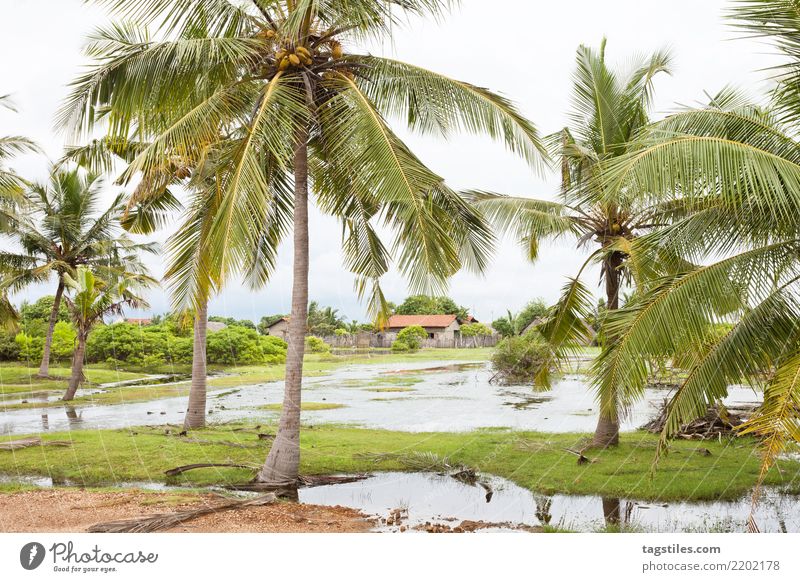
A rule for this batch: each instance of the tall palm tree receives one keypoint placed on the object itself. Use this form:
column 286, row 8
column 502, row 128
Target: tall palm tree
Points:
column 61, row 231
column 91, row 300
column 608, row 108
column 300, row 113
column 737, row 165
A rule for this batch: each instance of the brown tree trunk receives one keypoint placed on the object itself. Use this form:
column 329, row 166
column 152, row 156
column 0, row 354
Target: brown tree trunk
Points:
column 283, row 462
column 44, row 368
column 77, row 367
column 607, row 432
column 196, row 411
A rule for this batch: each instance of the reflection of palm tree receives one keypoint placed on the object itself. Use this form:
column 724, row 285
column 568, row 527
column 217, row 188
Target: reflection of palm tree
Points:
column 543, row 505
column 73, row 416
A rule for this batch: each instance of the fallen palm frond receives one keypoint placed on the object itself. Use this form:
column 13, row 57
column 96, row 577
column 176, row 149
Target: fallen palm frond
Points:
column 719, row 421
column 417, row 461
column 162, row 521
column 32, row 442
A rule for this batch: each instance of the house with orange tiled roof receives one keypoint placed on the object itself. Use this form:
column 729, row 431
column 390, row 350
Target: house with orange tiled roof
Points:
column 442, row 329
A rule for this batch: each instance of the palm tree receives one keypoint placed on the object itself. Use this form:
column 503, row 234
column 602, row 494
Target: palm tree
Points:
column 12, row 185
column 298, row 112
column 148, row 209
column 608, row 108
column 93, row 299
column 737, row 166
column 60, row 232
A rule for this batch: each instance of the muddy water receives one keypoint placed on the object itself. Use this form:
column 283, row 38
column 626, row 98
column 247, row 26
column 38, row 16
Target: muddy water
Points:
column 429, row 497
column 416, row 397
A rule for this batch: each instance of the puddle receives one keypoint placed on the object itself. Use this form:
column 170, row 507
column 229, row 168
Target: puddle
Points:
column 446, row 396
column 440, row 499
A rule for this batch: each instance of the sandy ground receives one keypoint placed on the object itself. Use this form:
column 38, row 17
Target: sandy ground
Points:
column 75, row 510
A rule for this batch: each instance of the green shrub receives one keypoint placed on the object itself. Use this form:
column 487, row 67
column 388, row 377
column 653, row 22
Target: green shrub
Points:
column 31, row 347
column 242, row 345
column 341, row 332
column 412, row 336
column 316, row 345
column 63, row 341
column 9, row 348
column 517, row 359
column 400, row 346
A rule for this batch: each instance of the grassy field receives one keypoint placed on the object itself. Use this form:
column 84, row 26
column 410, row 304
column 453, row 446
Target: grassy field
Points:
column 693, row 470
column 20, row 382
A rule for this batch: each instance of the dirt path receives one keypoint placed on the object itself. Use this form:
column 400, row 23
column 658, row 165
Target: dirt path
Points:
column 72, row 510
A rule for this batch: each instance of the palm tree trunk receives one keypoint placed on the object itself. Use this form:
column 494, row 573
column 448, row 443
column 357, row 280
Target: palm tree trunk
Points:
column 196, row 411
column 77, row 367
column 44, row 368
column 607, row 432
column 283, row 462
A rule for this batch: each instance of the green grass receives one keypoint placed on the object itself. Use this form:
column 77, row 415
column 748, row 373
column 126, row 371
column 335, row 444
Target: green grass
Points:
column 533, row 460
column 304, row 406
column 18, row 378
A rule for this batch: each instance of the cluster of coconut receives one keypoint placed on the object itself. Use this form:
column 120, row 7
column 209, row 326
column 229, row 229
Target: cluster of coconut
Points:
column 290, row 56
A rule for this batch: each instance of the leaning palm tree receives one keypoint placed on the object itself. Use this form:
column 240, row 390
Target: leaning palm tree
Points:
column 608, row 108
column 91, row 300
column 60, row 231
column 302, row 111
column 737, row 165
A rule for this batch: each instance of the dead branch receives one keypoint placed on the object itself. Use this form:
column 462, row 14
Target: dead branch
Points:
column 164, row 521
column 32, row 442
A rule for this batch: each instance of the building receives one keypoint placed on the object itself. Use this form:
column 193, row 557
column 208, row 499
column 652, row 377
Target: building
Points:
column 140, row 321
column 442, row 329
column 280, row 328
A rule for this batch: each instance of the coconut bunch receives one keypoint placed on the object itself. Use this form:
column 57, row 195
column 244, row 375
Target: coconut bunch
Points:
column 283, row 54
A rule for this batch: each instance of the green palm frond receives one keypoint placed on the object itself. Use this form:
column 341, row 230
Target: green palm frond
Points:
column 429, row 101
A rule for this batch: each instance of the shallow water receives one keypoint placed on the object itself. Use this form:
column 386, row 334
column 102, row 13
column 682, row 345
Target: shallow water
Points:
column 434, row 498
column 421, row 396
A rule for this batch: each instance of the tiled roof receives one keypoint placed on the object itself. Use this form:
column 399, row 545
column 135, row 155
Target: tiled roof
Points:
column 401, row 321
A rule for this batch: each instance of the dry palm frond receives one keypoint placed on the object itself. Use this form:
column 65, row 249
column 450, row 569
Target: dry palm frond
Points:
column 162, row 521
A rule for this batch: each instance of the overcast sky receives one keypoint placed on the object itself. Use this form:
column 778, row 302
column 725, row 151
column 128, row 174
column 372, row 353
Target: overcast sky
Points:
column 523, row 49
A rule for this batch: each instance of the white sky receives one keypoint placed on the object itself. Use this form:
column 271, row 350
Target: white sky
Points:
column 522, row 49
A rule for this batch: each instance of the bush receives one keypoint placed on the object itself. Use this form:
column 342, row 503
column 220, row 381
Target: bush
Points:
column 517, row 360
column 400, row 346
column 31, row 347
column 316, row 345
column 63, row 341
column 243, row 345
column 412, row 336
column 341, row 332
column 9, row 348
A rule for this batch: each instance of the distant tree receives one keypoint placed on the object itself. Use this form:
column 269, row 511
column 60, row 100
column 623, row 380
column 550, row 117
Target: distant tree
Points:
column 61, row 230
column 233, row 321
column 514, row 324
column 428, row 305
column 91, row 300
column 323, row 320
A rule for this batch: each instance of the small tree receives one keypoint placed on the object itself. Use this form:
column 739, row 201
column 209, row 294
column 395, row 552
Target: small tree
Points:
column 92, row 300
column 412, row 336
